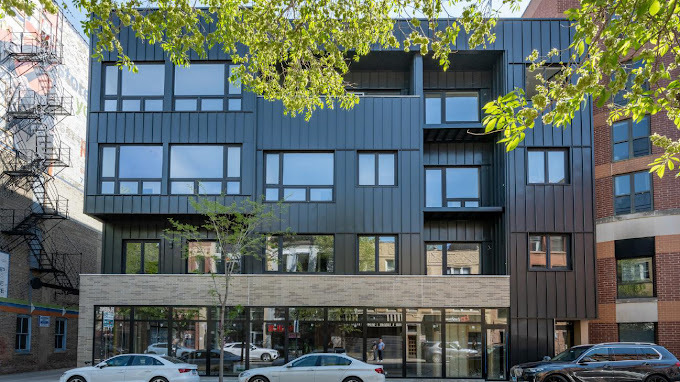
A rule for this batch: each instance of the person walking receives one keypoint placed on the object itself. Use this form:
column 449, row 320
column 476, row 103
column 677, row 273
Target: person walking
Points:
column 381, row 347
column 374, row 348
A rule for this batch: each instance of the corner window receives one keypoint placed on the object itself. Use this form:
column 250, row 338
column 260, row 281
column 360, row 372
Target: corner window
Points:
column 635, row 267
column 452, row 187
column 121, row 173
column 549, row 252
column 300, row 254
column 60, row 334
column 378, row 254
column 632, row 193
column 530, row 81
column 547, row 166
column 453, row 258
column 206, row 258
column 205, row 169
column 299, row 177
column 206, row 87
column 630, row 139
column 638, row 332
column 128, row 91
column 22, row 341
column 377, row 169
column 451, row 107
column 141, row 257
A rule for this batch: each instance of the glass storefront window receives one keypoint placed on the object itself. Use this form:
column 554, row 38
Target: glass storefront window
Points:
column 305, row 338
column 463, row 351
column 496, row 353
column 424, row 350
column 385, row 344
column 112, row 333
column 266, row 338
column 346, row 337
column 496, row 316
column 267, row 314
column 463, row 315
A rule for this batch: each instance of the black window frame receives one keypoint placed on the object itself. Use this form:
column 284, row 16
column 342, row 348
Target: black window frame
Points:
column 632, row 255
column 142, row 262
column 280, row 248
column 546, row 166
column 630, row 140
column 226, row 97
column 280, row 186
column 224, row 180
column 548, row 267
column 220, row 266
column 117, row 180
column 26, row 335
column 632, row 194
column 119, row 97
column 60, row 336
column 376, row 263
column 376, row 176
column 656, row 329
column 445, row 199
column 429, row 93
column 445, row 257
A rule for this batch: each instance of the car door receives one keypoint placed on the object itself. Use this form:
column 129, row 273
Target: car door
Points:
column 332, row 368
column 301, row 370
column 114, row 371
column 624, row 366
column 590, row 367
column 142, row 369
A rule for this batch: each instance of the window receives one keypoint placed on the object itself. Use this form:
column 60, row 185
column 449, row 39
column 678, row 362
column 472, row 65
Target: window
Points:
column 629, row 66
column 299, row 177
column 564, row 336
column 205, row 257
column 635, row 267
column 648, row 353
column 141, row 257
column 531, row 83
column 128, row 91
column 60, row 334
column 23, row 334
column 300, row 254
column 624, row 353
column 547, row 166
column 307, row 361
column 140, row 360
column 200, row 169
column 377, row 253
column 121, row 173
column 453, row 258
column 598, row 355
column 630, row 139
column 202, row 86
column 452, row 106
column 452, row 187
column 377, row 169
column 632, row 193
column 334, row 360
column 549, row 252
column 121, row 360
column 638, row 332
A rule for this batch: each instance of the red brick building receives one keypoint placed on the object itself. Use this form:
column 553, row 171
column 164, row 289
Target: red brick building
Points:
column 638, row 226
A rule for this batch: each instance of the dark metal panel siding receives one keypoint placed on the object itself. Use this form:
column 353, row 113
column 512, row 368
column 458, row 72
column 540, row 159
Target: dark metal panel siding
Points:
column 530, row 339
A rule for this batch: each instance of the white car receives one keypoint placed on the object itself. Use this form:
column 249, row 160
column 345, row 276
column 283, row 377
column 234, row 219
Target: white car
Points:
column 256, row 353
column 161, row 348
column 326, row 367
column 135, row 368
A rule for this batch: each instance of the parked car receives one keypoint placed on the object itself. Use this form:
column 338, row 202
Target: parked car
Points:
column 198, row 357
column 135, row 368
column 327, row 367
column 433, row 353
column 161, row 348
column 607, row 362
column 256, row 353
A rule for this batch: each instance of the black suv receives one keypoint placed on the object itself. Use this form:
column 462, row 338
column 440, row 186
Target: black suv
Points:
column 608, row 362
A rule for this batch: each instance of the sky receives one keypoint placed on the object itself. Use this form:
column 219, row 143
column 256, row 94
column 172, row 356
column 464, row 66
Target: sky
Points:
column 75, row 16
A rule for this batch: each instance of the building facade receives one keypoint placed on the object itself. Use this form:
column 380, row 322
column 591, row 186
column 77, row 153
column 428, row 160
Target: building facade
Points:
column 638, row 225
column 409, row 227
column 46, row 240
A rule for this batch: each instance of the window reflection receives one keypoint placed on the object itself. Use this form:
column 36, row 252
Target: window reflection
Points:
column 121, row 173
column 299, row 177
column 300, row 253
column 453, row 259
column 462, row 187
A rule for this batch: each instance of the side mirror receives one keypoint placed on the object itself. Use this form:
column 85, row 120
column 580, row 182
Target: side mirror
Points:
column 546, row 358
column 586, row 360
column 101, row 365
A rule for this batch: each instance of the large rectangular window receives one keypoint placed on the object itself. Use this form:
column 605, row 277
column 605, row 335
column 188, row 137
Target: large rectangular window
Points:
column 206, row 257
column 378, row 254
column 452, row 187
column 141, row 256
column 644, row 332
column 632, row 193
column 547, row 166
column 128, row 91
column 453, row 258
column 452, row 107
column 206, row 87
column 377, row 169
column 205, row 169
column 299, row 177
column 22, row 341
column 60, row 334
column 300, row 254
column 121, row 172
column 635, row 267
column 630, row 139
column 549, row 252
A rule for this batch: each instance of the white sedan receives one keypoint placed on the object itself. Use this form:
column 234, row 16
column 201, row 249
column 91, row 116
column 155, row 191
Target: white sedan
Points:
column 135, row 368
column 256, row 353
column 326, row 367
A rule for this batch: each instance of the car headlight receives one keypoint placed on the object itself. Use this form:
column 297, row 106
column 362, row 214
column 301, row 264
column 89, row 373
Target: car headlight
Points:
column 532, row 370
column 245, row 373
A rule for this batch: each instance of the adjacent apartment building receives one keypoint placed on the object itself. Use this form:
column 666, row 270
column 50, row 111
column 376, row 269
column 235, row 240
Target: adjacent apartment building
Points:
column 463, row 258
column 637, row 224
column 45, row 238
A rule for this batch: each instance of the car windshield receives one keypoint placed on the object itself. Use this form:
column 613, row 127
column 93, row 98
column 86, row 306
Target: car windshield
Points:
column 571, row 354
column 173, row 359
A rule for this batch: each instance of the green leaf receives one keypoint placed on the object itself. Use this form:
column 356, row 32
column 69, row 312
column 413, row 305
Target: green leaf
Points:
column 655, row 7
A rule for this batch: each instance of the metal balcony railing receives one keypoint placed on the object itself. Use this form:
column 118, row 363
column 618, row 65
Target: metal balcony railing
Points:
column 35, row 47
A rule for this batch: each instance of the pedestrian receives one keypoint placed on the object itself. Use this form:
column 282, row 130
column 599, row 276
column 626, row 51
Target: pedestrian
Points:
column 374, row 348
column 381, row 347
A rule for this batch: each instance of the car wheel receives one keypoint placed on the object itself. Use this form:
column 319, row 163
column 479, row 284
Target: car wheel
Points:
column 258, row 378
column 76, row 378
column 656, row 378
column 158, row 379
column 352, row 379
column 266, row 357
column 437, row 358
column 555, row 378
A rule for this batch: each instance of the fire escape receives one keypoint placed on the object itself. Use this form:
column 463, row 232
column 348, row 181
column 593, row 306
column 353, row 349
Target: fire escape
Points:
column 32, row 155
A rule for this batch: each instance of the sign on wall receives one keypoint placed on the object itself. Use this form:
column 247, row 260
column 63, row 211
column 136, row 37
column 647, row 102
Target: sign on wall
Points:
column 44, row 321
column 4, row 274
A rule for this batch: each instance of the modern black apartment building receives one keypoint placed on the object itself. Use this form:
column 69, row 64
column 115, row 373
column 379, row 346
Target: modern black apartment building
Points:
column 411, row 225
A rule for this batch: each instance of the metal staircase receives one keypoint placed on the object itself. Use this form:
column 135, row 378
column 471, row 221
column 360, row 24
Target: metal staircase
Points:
column 32, row 154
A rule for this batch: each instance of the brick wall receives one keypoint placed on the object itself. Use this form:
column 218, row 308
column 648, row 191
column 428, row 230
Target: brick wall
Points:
column 548, row 8
column 669, row 336
column 606, row 280
column 603, row 332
